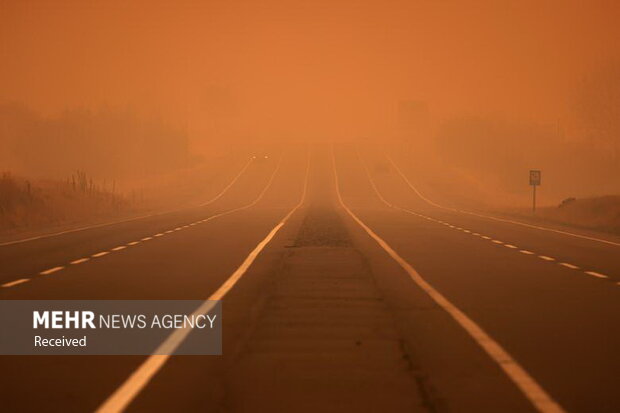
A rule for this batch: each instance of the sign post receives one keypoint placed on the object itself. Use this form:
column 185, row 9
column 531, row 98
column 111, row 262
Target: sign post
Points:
column 534, row 182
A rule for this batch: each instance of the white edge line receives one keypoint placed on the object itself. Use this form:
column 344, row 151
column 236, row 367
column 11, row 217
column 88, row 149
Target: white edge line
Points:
column 123, row 396
column 230, row 184
column 526, row 383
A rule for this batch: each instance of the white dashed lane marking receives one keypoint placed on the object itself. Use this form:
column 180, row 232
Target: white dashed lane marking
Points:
column 102, row 253
column 51, row 270
column 596, row 274
column 97, row 255
column 16, row 282
column 510, row 246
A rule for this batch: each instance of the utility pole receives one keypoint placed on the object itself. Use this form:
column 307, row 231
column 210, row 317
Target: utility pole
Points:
column 534, row 182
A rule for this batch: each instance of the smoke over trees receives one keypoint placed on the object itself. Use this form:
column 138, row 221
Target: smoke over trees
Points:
column 108, row 143
column 598, row 108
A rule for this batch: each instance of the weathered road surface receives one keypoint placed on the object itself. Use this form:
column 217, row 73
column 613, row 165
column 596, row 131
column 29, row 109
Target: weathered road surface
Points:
column 365, row 297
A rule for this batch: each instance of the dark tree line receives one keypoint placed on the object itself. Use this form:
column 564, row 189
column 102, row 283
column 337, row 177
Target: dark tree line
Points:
column 107, row 144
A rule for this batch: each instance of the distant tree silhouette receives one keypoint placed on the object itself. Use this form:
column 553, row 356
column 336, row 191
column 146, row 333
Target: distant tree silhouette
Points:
column 106, row 144
column 598, row 107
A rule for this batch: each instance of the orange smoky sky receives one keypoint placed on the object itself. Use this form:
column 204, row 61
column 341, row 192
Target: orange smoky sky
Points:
column 302, row 69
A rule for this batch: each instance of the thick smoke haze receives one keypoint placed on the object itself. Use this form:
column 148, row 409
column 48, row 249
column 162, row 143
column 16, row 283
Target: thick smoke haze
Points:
column 513, row 75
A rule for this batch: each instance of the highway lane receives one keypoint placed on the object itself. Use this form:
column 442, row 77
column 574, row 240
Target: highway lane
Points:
column 187, row 264
column 453, row 372
column 305, row 330
column 595, row 254
column 558, row 323
column 213, row 181
column 29, row 259
column 417, row 183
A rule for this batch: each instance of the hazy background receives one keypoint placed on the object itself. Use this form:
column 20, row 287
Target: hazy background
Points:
column 477, row 92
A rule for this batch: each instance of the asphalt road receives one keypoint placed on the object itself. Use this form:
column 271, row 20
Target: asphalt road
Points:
column 363, row 297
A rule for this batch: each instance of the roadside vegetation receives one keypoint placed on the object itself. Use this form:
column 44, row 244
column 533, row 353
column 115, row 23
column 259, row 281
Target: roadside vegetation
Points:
column 88, row 166
column 597, row 213
column 28, row 204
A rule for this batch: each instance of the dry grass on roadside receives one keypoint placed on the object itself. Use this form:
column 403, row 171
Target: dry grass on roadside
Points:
column 600, row 213
column 597, row 213
column 26, row 204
